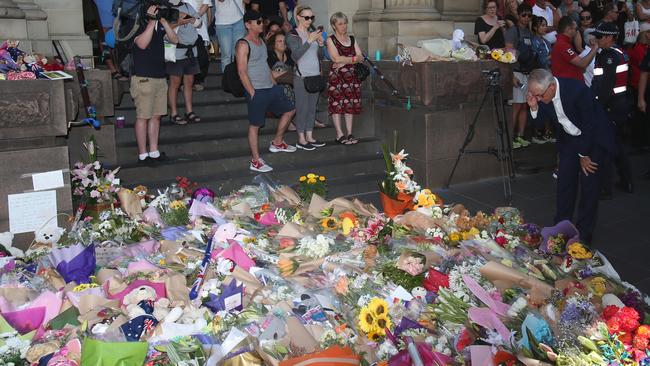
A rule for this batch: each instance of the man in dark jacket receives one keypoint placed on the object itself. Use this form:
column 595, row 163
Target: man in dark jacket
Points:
column 586, row 141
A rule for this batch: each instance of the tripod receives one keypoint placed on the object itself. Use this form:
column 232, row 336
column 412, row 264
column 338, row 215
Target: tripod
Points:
column 503, row 151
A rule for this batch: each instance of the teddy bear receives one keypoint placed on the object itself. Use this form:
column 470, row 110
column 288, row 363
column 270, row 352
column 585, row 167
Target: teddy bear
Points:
column 141, row 191
column 49, row 235
column 6, row 240
column 142, row 301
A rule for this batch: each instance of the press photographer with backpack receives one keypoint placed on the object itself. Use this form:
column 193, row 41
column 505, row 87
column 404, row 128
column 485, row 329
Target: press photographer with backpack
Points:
column 520, row 38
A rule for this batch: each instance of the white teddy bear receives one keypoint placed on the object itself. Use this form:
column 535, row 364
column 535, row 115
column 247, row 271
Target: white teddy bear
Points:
column 133, row 298
column 49, row 235
column 6, row 240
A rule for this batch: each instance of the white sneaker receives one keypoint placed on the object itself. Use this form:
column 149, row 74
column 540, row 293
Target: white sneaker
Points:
column 260, row 165
column 522, row 141
column 515, row 144
column 539, row 140
column 283, row 147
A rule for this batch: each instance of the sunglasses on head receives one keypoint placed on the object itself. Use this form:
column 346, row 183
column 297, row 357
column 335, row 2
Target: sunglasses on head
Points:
column 309, row 17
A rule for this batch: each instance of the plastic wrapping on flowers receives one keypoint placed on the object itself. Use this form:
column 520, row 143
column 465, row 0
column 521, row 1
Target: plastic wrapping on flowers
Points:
column 261, row 277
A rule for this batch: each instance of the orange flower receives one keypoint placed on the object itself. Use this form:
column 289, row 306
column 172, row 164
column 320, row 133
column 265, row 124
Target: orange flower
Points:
column 341, row 287
column 401, row 186
column 265, row 207
column 287, row 267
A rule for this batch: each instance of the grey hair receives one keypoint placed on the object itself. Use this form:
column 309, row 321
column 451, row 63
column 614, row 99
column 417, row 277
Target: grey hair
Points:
column 541, row 77
column 338, row 16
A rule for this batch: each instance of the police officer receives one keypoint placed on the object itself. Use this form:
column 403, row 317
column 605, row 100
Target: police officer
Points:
column 610, row 86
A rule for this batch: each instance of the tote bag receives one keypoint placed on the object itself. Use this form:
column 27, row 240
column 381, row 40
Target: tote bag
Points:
column 631, row 31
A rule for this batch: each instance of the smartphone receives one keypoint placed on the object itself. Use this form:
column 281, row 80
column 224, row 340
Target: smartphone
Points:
column 320, row 28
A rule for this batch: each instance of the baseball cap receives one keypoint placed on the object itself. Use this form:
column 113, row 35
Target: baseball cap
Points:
column 605, row 29
column 252, row 15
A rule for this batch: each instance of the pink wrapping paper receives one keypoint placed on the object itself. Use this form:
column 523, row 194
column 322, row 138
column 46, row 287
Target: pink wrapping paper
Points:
column 236, row 254
column 142, row 265
column 49, row 301
column 75, row 297
column 26, row 320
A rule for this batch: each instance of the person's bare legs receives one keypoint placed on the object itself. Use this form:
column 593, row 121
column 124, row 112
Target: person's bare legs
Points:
column 188, row 81
column 302, row 139
column 282, row 127
column 336, row 118
column 253, row 141
column 141, row 135
column 348, row 126
column 174, row 84
column 153, row 131
column 309, row 136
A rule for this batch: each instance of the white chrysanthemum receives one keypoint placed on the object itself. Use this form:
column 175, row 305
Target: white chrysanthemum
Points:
column 386, row 350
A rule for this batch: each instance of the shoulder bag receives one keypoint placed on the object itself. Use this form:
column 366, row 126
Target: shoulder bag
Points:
column 360, row 70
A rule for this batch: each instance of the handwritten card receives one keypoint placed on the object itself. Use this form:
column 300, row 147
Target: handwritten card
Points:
column 48, row 180
column 31, row 211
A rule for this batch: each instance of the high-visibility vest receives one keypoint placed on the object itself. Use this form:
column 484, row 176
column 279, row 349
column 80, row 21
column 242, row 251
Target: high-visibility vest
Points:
column 621, row 73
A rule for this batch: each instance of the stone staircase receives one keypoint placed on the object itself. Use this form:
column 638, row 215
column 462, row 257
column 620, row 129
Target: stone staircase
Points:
column 214, row 152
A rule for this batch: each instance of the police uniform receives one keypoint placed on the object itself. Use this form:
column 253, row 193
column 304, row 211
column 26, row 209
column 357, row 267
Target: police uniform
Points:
column 610, row 86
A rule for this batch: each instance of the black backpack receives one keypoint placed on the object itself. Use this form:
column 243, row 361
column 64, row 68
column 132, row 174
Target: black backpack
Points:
column 230, row 81
column 527, row 56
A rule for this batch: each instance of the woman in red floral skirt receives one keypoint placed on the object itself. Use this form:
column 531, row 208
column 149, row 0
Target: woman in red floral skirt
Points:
column 344, row 88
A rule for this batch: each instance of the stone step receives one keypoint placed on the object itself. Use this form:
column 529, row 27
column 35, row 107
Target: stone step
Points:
column 225, row 173
column 210, row 94
column 222, row 141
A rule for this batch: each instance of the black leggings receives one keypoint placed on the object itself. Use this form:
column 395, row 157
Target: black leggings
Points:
column 204, row 61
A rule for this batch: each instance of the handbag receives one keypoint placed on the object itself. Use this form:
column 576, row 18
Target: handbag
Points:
column 170, row 49
column 361, row 71
column 313, row 84
column 631, row 31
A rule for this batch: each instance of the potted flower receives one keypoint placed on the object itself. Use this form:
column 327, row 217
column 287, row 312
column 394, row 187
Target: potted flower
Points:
column 396, row 191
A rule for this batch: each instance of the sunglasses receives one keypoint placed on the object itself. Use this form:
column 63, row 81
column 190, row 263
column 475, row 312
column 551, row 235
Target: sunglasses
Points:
column 526, row 15
column 586, row 18
column 312, row 17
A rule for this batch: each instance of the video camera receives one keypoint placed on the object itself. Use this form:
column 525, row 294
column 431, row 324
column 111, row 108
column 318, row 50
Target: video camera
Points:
column 166, row 10
column 493, row 76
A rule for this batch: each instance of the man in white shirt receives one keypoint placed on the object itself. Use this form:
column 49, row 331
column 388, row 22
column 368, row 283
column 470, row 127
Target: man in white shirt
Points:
column 586, row 141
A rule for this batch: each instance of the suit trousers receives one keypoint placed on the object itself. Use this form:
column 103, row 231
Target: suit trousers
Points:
column 570, row 177
column 621, row 161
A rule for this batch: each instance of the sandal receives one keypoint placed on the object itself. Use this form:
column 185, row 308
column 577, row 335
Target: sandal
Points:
column 176, row 119
column 352, row 140
column 342, row 140
column 192, row 117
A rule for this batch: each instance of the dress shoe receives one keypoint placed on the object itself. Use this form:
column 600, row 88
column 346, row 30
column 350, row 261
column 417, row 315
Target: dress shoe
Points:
column 625, row 187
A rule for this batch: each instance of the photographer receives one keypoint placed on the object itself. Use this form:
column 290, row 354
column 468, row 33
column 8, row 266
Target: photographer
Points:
column 148, row 84
column 186, row 65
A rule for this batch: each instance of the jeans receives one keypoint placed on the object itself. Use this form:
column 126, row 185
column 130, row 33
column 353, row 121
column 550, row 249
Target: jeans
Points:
column 228, row 35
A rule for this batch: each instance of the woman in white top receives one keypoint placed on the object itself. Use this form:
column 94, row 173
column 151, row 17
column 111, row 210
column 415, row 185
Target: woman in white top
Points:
column 642, row 10
column 229, row 26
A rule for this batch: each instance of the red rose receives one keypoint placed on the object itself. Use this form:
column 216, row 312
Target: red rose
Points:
column 610, row 311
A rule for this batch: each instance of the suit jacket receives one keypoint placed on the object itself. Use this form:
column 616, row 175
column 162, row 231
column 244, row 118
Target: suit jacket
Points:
column 584, row 111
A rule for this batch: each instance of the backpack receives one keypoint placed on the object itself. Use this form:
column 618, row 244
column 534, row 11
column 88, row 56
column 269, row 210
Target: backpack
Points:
column 230, row 82
column 527, row 56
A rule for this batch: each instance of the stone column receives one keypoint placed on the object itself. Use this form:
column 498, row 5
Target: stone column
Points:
column 65, row 23
column 13, row 25
column 37, row 29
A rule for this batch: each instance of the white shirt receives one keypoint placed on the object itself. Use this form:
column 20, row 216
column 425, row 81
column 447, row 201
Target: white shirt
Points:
column 589, row 71
column 228, row 12
column 547, row 13
column 203, row 29
column 567, row 125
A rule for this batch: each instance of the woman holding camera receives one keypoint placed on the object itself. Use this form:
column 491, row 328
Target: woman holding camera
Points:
column 344, row 86
column 306, row 50
column 186, row 65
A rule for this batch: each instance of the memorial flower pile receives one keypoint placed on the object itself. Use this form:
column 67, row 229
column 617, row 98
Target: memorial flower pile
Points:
column 263, row 277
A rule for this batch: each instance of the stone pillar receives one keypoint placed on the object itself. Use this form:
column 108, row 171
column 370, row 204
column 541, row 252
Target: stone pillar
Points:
column 65, row 23
column 13, row 25
column 37, row 29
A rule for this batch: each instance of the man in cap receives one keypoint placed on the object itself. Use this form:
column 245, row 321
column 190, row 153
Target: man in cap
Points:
column 610, row 86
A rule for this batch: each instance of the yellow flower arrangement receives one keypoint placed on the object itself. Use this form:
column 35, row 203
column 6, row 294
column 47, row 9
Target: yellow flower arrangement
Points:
column 303, row 178
column 496, row 54
column 348, row 222
column 367, row 320
column 507, row 57
column 425, row 198
column 578, row 251
column 374, row 336
column 329, row 224
column 598, row 286
column 471, row 234
column 383, row 322
column 311, row 176
column 175, row 205
column 374, row 319
column 310, row 184
column 455, row 236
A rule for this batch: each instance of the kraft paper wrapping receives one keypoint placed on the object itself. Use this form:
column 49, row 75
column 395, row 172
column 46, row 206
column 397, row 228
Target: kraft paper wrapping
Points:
column 241, row 209
column 285, row 193
column 54, row 278
column 505, row 277
column 17, row 295
column 340, row 205
column 176, row 253
column 293, row 230
column 105, row 274
column 419, row 221
column 176, row 288
column 130, row 203
column 251, row 283
column 300, row 336
column 245, row 359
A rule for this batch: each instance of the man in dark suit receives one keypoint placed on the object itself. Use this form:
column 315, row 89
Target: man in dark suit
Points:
column 586, row 141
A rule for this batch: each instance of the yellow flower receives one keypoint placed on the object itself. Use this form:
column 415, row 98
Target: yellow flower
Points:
column 311, row 176
column 374, row 336
column 496, row 54
column 321, row 178
column 287, row 267
column 598, row 286
column 329, row 223
column 507, row 57
column 578, row 251
column 455, row 236
column 303, row 178
column 367, row 320
column 347, row 225
column 382, row 322
column 311, row 180
column 378, row 306
column 175, row 205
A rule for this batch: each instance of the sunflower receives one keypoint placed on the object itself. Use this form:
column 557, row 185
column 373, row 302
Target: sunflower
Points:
column 374, row 336
column 367, row 320
column 378, row 306
column 329, row 223
column 383, row 322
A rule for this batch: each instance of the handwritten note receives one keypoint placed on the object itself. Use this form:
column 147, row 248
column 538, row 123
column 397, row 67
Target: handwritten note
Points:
column 30, row 211
column 48, row 180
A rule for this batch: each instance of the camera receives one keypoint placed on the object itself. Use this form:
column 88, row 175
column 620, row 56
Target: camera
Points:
column 166, row 10
column 493, row 76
